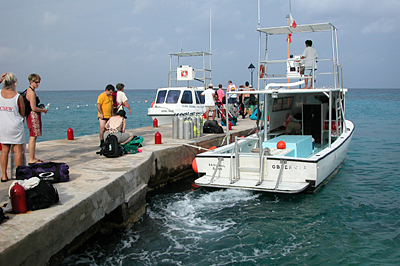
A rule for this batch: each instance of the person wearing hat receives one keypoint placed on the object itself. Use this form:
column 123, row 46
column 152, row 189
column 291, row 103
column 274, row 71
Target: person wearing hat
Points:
column 116, row 125
column 209, row 101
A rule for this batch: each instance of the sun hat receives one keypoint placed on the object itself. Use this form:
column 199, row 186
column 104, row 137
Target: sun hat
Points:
column 121, row 113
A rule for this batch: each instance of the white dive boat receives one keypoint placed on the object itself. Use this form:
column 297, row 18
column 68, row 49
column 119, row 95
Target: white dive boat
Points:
column 303, row 162
column 181, row 100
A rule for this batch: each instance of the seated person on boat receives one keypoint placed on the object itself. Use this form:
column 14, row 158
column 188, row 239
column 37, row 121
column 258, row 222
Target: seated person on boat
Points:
column 292, row 125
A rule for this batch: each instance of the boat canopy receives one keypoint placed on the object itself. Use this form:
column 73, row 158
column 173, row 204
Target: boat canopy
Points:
column 186, row 54
column 299, row 29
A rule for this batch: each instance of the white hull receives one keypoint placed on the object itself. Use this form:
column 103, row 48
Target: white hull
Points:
column 165, row 114
column 297, row 175
column 171, row 101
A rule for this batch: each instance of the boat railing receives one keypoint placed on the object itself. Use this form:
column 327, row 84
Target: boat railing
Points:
column 297, row 65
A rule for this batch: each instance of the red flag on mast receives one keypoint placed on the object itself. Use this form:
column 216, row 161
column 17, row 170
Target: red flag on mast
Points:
column 289, row 38
column 292, row 22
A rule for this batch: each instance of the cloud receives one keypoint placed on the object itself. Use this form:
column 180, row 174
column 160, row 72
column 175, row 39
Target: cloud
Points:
column 382, row 25
column 141, row 5
column 50, row 19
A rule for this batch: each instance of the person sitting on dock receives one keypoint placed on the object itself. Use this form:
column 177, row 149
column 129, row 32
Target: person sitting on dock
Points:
column 292, row 125
column 209, row 101
column 116, row 125
column 310, row 65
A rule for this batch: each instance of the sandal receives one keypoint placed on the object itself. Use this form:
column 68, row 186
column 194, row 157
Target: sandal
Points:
column 4, row 180
column 38, row 161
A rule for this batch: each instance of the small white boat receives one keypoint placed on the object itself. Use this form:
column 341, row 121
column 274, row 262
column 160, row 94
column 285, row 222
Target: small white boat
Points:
column 182, row 100
column 270, row 160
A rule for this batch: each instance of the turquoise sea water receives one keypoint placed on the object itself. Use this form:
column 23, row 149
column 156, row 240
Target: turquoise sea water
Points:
column 353, row 220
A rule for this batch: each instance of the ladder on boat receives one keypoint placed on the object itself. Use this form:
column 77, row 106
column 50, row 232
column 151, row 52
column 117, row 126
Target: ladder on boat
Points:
column 236, row 168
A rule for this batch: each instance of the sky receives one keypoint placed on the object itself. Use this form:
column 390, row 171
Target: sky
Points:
column 85, row 45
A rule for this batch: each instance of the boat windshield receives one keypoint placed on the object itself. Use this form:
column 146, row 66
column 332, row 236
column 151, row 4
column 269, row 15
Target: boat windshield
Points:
column 161, row 96
column 187, row 97
column 199, row 98
column 173, row 96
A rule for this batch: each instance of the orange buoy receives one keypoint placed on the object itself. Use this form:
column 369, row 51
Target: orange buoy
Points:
column 152, row 104
column 212, row 147
column 281, row 145
column 194, row 166
column 262, row 70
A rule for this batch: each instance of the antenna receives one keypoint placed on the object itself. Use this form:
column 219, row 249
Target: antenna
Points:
column 258, row 26
column 210, row 30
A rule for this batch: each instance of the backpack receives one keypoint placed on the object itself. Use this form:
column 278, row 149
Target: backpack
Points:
column 2, row 216
column 133, row 145
column 114, row 97
column 211, row 126
column 130, row 148
column 41, row 196
column 27, row 104
column 110, row 147
column 137, row 140
column 48, row 171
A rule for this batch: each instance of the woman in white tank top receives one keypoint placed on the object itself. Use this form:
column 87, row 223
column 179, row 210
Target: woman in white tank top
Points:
column 12, row 112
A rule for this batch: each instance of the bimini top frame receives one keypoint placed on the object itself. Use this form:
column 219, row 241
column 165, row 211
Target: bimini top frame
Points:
column 308, row 28
column 204, row 74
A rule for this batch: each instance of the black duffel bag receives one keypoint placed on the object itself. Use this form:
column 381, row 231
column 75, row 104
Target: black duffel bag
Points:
column 41, row 196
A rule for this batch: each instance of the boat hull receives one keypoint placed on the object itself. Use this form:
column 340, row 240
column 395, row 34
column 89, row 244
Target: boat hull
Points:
column 281, row 174
column 164, row 115
column 173, row 101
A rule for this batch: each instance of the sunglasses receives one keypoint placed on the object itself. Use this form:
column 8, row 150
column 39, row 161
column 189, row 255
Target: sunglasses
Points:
column 37, row 82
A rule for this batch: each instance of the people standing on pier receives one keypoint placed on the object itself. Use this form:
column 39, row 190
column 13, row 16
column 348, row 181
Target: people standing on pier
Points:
column 220, row 94
column 309, row 57
column 33, row 119
column 12, row 113
column 116, row 125
column 122, row 100
column 231, row 87
column 209, row 101
column 246, row 101
column 104, row 108
column 220, row 98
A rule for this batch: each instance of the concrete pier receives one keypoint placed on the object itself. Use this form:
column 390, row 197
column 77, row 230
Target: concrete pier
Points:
column 101, row 191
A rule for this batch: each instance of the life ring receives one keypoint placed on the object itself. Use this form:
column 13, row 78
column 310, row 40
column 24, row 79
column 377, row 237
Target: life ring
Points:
column 262, row 71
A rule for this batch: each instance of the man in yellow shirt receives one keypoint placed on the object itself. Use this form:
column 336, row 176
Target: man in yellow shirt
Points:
column 104, row 108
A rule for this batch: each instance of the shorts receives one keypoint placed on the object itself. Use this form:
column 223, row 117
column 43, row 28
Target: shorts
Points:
column 210, row 108
column 309, row 72
column 122, row 137
column 105, row 119
column 232, row 100
column 34, row 123
column 246, row 102
column 293, row 126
